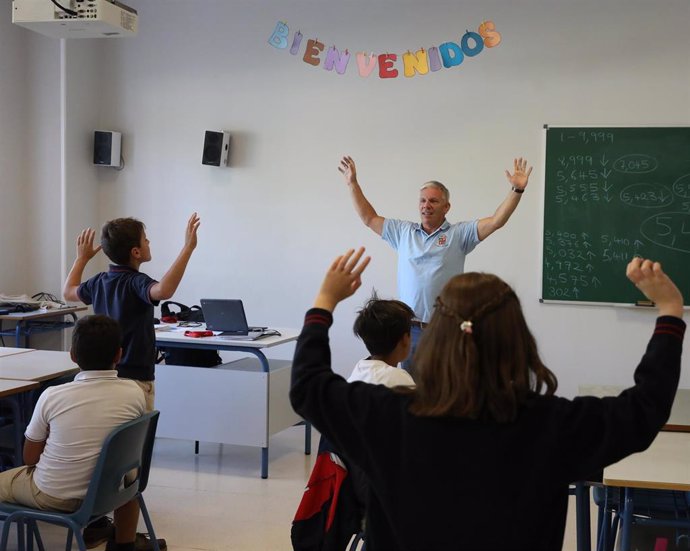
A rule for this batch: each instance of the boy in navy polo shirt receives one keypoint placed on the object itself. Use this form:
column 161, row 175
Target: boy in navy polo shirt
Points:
column 126, row 294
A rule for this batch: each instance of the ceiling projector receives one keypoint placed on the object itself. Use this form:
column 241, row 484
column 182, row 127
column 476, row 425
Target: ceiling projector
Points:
column 75, row 18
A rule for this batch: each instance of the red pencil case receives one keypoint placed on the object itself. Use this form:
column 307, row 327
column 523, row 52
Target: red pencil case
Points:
column 198, row 334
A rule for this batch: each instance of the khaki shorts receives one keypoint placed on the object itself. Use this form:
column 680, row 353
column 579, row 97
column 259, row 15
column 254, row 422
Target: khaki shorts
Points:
column 18, row 486
column 149, row 393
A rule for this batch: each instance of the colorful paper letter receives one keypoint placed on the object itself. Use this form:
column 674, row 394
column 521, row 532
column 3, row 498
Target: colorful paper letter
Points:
column 366, row 63
column 416, row 63
column 279, row 37
column 451, row 54
column 335, row 59
column 311, row 54
column 434, row 59
column 491, row 37
column 478, row 44
column 386, row 69
column 296, row 41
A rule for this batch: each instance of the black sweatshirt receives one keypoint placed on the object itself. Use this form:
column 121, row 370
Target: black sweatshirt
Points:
column 452, row 483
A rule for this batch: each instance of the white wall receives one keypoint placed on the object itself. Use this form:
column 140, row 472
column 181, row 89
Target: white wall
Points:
column 13, row 158
column 274, row 219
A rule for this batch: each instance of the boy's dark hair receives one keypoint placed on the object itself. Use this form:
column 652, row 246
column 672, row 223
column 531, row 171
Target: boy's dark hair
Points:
column 119, row 237
column 382, row 323
column 95, row 342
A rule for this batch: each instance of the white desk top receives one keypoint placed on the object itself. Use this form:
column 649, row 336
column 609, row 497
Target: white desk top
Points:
column 8, row 387
column 663, row 466
column 177, row 335
column 9, row 351
column 679, row 420
column 37, row 365
column 42, row 313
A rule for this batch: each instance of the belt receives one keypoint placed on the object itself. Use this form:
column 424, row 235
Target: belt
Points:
column 418, row 323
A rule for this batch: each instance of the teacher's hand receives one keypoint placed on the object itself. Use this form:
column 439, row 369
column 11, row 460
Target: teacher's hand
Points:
column 348, row 169
column 520, row 177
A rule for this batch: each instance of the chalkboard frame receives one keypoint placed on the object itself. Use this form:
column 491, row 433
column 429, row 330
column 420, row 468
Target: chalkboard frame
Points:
column 546, row 298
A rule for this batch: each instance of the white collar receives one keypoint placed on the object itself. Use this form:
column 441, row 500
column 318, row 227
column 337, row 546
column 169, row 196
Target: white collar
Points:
column 96, row 374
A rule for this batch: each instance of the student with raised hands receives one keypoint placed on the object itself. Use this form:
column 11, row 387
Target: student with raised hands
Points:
column 482, row 441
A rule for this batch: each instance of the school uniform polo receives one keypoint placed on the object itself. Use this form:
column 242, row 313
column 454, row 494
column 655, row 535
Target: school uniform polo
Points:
column 123, row 293
column 426, row 262
column 74, row 419
column 376, row 372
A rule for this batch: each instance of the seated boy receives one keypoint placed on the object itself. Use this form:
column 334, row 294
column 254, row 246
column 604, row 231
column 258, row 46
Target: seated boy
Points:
column 384, row 326
column 69, row 425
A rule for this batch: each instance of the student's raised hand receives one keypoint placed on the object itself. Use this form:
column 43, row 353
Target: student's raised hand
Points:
column 348, row 170
column 649, row 277
column 520, row 176
column 190, row 234
column 85, row 249
column 342, row 279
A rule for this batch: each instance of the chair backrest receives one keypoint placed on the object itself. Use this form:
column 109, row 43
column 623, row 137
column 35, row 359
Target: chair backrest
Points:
column 127, row 447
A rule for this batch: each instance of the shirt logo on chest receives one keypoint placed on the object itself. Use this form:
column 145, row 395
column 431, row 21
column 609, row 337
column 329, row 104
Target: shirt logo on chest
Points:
column 441, row 241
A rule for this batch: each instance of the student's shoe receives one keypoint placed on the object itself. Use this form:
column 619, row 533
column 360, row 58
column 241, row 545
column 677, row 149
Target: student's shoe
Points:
column 141, row 543
column 98, row 532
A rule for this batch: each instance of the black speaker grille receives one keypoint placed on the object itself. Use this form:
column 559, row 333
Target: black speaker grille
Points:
column 213, row 148
column 102, row 147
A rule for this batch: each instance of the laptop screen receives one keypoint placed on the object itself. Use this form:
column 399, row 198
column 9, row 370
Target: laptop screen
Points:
column 225, row 315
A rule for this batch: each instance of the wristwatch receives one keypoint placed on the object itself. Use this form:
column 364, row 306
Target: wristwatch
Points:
column 518, row 190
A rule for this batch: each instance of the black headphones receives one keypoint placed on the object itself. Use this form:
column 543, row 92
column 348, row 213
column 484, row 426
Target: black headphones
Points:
column 186, row 313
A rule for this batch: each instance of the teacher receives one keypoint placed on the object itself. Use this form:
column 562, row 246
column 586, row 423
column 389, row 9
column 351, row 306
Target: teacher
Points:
column 432, row 251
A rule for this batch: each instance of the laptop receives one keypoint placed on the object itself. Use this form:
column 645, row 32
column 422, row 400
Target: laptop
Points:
column 228, row 317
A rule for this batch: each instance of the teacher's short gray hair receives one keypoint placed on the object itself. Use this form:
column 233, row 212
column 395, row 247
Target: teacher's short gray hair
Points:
column 439, row 186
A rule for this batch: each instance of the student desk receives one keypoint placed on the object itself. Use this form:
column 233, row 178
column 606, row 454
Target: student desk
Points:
column 242, row 402
column 678, row 421
column 662, row 466
column 25, row 372
column 11, row 387
column 9, row 351
column 38, row 321
column 37, row 366
column 11, row 396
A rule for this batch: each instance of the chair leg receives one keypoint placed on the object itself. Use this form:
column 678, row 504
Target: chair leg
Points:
column 147, row 521
column 68, row 541
column 7, row 524
column 35, row 534
column 21, row 545
column 80, row 540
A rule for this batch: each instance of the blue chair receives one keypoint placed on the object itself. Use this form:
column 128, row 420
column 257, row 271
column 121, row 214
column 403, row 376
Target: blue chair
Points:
column 623, row 508
column 128, row 447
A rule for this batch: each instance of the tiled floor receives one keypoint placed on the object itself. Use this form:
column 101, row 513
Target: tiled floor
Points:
column 216, row 501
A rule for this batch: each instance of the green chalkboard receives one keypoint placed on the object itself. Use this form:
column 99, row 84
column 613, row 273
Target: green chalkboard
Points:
column 612, row 194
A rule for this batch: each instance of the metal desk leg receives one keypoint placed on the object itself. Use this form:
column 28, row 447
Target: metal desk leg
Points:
column 18, row 336
column 307, row 438
column 626, row 520
column 264, row 462
column 584, row 532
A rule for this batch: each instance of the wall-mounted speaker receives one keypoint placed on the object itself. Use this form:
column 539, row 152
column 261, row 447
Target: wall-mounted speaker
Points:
column 216, row 148
column 107, row 148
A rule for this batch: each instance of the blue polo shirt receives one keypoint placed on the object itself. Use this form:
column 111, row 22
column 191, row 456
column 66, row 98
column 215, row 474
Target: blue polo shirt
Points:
column 123, row 294
column 426, row 262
